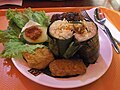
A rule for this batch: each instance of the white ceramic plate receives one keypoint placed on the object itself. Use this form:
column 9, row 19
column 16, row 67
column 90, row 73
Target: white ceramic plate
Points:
column 94, row 71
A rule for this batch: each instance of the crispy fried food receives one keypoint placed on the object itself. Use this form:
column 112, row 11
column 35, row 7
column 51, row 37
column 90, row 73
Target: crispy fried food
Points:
column 63, row 67
column 69, row 16
column 40, row 59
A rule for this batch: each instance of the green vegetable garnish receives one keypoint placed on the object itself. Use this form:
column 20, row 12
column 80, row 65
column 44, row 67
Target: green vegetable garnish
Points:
column 17, row 17
column 8, row 35
column 16, row 49
column 21, row 18
column 14, row 46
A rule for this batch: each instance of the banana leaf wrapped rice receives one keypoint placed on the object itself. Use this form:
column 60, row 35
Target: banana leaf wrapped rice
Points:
column 71, row 36
column 60, row 37
column 89, row 40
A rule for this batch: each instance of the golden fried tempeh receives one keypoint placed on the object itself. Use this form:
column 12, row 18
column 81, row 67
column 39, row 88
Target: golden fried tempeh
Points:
column 63, row 67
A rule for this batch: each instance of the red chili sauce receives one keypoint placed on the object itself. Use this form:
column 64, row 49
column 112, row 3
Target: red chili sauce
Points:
column 33, row 32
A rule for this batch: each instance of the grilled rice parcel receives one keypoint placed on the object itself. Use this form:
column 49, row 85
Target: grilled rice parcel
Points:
column 62, row 45
column 73, row 37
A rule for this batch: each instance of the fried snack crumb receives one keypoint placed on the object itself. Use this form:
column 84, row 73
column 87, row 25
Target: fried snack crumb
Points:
column 40, row 59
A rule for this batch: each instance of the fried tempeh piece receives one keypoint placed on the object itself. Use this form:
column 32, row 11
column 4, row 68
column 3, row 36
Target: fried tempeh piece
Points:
column 65, row 67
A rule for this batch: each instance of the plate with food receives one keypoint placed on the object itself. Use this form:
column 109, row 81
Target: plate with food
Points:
column 58, row 49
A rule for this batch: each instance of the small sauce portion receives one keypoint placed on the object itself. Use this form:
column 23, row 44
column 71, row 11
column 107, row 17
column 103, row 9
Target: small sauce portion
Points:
column 33, row 32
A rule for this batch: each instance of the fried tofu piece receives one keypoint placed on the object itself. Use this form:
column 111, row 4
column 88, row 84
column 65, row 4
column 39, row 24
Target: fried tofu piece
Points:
column 65, row 67
column 40, row 59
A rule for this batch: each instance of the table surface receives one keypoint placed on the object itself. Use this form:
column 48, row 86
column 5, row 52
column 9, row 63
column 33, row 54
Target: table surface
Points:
column 53, row 3
column 12, row 79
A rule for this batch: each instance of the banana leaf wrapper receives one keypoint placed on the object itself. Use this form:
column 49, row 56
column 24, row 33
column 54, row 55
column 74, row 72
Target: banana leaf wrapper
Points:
column 89, row 51
column 58, row 46
column 70, row 48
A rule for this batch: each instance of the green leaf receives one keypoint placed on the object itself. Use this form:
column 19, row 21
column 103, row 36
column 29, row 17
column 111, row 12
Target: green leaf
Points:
column 16, row 49
column 28, row 13
column 59, row 47
column 8, row 35
column 21, row 18
column 53, row 46
column 41, row 18
column 72, row 49
column 17, row 17
column 12, row 26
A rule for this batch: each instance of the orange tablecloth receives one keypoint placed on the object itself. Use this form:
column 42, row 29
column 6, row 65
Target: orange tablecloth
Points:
column 12, row 79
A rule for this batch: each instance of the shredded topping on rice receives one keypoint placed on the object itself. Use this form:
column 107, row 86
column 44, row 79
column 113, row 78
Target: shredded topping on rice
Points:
column 89, row 32
column 61, row 29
